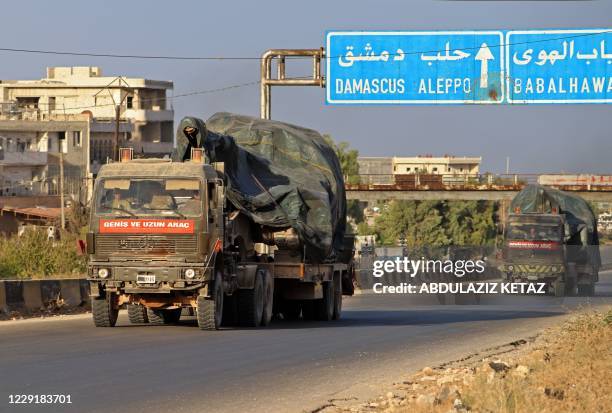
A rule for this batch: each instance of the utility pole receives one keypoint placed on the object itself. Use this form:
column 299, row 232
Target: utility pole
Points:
column 507, row 165
column 61, row 183
column 117, row 117
column 120, row 81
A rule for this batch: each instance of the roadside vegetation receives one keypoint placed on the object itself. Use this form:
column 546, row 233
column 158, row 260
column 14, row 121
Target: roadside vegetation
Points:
column 566, row 369
column 33, row 255
column 434, row 223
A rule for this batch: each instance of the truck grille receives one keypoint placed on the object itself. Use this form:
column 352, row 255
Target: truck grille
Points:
column 119, row 244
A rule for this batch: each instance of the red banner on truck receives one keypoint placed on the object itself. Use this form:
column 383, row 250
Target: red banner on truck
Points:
column 147, row 226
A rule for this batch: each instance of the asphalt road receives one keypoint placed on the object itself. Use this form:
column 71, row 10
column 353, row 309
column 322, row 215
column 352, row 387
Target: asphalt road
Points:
column 288, row 367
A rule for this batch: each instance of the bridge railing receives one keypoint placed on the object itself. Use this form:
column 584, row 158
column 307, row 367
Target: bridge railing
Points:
column 487, row 181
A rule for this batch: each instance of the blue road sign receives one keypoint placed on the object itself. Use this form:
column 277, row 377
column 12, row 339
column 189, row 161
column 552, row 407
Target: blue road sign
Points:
column 559, row 66
column 406, row 67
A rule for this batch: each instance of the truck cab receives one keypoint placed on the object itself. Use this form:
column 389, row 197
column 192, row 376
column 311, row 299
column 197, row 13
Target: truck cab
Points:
column 537, row 247
column 155, row 229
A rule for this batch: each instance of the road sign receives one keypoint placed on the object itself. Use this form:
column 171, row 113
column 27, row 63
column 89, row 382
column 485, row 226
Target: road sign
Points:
column 415, row 67
column 559, row 66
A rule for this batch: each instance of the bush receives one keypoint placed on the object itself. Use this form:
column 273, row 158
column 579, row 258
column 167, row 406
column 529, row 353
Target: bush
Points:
column 33, row 255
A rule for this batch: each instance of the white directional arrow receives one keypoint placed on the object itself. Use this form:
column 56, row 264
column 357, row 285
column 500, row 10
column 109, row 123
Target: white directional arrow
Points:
column 484, row 55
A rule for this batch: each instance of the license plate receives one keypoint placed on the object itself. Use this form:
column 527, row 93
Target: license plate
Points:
column 145, row 279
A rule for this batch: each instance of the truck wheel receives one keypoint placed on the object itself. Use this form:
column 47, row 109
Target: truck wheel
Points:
column 324, row 307
column 586, row 290
column 337, row 297
column 161, row 317
column 137, row 314
column 251, row 303
column 268, row 307
column 210, row 309
column 105, row 311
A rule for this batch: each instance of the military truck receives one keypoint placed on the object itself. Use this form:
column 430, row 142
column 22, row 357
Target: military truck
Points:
column 551, row 236
column 172, row 237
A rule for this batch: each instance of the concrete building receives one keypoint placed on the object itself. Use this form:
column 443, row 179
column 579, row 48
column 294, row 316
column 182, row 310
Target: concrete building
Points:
column 444, row 165
column 73, row 111
column 375, row 170
column 382, row 170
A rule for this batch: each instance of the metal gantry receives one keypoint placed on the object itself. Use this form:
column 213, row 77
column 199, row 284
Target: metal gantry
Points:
column 280, row 56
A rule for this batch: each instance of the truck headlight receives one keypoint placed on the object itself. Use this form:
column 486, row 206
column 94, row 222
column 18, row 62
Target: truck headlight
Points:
column 103, row 273
column 190, row 273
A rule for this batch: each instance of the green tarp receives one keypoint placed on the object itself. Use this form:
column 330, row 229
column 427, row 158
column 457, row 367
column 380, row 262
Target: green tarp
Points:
column 280, row 175
column 542, row 199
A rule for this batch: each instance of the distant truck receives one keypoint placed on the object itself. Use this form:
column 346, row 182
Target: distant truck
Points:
column 169, row 237
column 551, row 236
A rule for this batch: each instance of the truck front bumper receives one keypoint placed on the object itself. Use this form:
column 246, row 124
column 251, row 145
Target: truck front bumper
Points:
column 141, row 279
column 532, row 272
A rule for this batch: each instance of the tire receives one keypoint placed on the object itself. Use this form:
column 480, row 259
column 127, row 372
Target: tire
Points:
column 105, row 311
column 210, row 309
column 268, row 309
column 324, row 307
column 251, row 303
column 337, row 297
column 137, row 314
column 160, row 317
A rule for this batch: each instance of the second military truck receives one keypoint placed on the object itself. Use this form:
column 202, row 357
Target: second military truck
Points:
column 551, row 236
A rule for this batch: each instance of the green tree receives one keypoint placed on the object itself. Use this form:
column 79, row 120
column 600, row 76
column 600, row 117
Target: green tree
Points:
column 437, row 223
column 420, row 222
column 348, row 159
column 350, row 171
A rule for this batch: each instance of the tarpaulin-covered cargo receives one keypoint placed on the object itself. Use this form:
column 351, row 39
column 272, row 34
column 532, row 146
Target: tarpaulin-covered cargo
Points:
column 280, row 175
column 544, row 200
column 581, row 223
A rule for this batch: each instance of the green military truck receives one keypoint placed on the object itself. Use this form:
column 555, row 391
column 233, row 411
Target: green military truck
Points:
column 551, row 236
column 195, row 235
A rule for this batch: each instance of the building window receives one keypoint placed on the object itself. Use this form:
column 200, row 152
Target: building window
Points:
column 407, row 169
column 76, row 138
column 460, row 169
column 129, row 102
column 61, row 140
column 435, row 169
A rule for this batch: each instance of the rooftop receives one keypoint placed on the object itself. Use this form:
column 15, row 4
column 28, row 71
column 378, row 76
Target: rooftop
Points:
column 83, row 77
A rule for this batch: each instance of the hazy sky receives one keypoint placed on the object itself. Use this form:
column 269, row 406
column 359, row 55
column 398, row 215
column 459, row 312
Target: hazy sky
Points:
column 551, row 138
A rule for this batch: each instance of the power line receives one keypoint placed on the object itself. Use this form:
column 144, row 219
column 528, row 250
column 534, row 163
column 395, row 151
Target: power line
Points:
column 166, row 98
column 221, row 58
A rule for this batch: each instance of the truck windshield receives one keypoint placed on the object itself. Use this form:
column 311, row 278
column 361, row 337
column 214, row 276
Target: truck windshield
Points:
column 148, row 197
column 534, row 232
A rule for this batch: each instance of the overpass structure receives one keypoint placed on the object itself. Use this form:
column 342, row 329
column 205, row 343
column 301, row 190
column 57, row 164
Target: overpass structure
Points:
column 476, row 187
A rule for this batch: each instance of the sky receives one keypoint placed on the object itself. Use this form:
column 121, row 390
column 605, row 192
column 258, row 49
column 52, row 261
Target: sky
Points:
column 538, row 139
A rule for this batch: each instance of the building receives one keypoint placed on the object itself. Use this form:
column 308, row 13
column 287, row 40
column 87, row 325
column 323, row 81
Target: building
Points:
column 375, row 170
column 444, row 165
column 76, row 111
column 383, row 170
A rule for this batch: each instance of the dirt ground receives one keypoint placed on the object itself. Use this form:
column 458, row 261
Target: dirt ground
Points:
column 563, row 369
